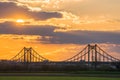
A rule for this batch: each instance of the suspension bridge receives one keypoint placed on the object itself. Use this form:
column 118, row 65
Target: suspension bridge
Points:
column 91, row 53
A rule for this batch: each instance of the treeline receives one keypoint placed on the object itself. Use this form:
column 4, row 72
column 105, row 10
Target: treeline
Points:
column 37, row 67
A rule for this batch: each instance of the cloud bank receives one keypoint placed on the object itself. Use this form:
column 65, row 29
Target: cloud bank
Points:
column 71, row 37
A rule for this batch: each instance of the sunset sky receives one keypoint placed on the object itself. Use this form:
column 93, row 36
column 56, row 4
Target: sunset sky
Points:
column 59, row 29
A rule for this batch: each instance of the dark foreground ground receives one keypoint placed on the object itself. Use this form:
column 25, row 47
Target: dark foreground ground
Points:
column 67, row 74
column 53, row 78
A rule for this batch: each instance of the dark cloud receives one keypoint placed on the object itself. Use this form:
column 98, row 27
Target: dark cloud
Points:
column 11, row 28
column 71, row 37
column 45, row 15
column 84, row 37
column 12, row 10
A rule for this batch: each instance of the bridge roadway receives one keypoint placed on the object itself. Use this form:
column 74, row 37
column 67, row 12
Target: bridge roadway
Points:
column 70, row 63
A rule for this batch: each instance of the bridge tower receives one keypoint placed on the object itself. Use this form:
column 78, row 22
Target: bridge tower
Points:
column 92, row 54
column 27, row 54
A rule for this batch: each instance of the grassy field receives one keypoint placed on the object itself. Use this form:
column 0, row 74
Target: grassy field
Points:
column 80, row 75
column 55, row 78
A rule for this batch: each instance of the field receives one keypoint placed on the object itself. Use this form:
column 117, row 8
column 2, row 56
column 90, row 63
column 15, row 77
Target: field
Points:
column 80, row 75
column 54, row 78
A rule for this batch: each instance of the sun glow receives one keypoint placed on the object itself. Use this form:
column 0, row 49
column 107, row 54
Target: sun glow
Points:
column 20, row 21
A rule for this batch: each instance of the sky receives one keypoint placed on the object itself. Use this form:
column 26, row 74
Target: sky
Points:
column 59, row 29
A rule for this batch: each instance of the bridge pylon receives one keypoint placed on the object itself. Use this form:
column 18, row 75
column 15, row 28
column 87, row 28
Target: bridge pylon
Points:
column 27, row 54
column 92, row 53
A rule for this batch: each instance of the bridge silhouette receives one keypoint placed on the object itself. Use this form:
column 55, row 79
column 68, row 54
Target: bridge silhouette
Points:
column 91, row 53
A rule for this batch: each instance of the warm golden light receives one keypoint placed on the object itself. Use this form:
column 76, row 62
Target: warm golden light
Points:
column 20, row 21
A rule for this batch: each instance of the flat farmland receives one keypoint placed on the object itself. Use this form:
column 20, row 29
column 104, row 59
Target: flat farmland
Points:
column 53, row 78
